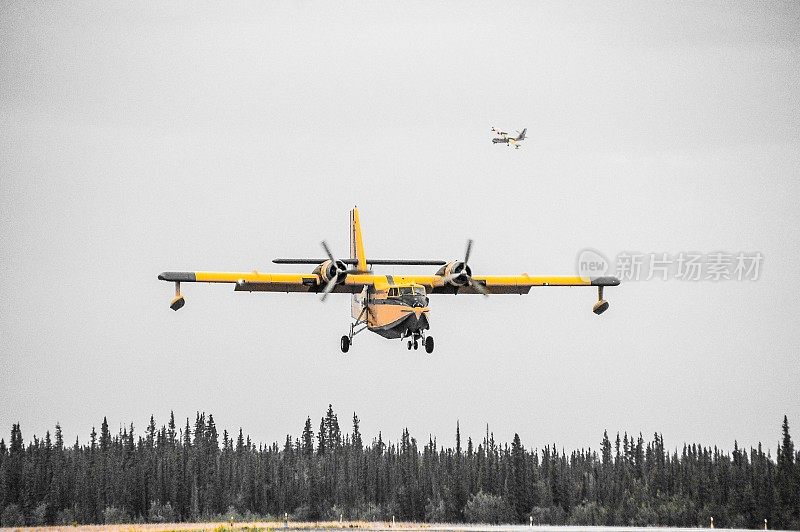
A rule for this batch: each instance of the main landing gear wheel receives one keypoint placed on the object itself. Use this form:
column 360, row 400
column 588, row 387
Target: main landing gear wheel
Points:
column 409, row 345
column 345, row 344
column 416, row 345
column 429, row 344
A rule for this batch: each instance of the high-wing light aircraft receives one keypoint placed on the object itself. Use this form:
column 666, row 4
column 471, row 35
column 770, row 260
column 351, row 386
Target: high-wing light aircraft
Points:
column 503, row 138
column 393, row 306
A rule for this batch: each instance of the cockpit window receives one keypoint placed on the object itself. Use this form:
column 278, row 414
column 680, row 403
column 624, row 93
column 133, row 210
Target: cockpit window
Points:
column 406, row 291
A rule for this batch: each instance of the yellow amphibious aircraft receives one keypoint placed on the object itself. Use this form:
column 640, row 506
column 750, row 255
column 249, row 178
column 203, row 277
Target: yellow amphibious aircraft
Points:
column 394, row 306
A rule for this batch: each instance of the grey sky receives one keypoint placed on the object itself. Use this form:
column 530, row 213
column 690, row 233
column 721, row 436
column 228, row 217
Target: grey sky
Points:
column 137, row 138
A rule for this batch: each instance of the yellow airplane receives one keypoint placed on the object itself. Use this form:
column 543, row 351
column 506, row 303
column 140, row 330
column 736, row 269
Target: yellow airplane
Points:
column 393, row 306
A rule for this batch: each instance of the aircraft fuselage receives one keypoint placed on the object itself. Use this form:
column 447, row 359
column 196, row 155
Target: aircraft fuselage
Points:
column 394, row 311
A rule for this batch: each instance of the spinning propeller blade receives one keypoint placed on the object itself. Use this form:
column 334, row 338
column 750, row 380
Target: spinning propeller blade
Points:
column 338, row 277
column 465, row 275
column 329, row 287
column 327, row 251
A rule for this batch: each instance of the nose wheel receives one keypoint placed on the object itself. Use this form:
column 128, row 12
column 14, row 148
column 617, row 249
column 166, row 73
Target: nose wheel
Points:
column 419, row 338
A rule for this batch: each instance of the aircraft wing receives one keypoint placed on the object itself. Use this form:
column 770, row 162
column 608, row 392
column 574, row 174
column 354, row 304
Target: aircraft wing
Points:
column 260, row 282
column 354, row 283
column 522, row 284
column 494, row 284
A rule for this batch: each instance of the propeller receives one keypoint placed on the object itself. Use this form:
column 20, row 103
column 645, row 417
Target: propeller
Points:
column 339, row 277
column 464, row 275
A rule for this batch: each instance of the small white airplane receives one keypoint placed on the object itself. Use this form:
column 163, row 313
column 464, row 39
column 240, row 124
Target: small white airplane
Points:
column 503, row 137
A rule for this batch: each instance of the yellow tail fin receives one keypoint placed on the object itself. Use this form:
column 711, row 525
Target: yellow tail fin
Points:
column 356, row 241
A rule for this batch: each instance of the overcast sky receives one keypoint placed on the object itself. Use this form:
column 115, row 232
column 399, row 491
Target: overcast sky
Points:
column 142, row 137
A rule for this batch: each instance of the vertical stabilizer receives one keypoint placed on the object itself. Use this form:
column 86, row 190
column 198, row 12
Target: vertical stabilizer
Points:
column 356, row 241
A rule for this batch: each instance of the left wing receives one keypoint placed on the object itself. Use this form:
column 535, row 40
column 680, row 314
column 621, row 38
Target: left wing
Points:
column 509, row 284
column 493, row 284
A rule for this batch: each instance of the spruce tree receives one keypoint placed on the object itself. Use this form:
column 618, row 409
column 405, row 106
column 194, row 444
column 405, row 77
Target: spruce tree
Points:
column 605, row 447
column 16, row 466
column 357, row 443
column 171, row 432
column 786, row 481
column 334, row 435
column 322, row 438
column 240, row 443
column 308, row 438
column 517, row 482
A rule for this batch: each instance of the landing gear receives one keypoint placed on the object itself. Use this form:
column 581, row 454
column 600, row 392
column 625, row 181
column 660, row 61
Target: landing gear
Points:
column 416, row 338
column 347, row 339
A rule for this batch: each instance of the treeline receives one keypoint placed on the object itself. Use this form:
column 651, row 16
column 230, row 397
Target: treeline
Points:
column 194, row 473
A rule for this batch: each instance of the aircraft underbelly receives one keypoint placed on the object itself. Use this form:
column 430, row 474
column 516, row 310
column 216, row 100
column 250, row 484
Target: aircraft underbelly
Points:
column 392, row 321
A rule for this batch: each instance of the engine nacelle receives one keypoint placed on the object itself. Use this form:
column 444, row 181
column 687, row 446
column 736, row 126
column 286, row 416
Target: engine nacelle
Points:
column 329, row 269
column 456, row 272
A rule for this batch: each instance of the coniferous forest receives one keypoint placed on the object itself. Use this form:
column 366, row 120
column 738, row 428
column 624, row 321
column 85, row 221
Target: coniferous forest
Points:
column 192, row 472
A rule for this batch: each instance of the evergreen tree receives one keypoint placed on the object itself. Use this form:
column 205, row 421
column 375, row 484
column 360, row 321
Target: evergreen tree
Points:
column 15, row 467
column 333, row 434
column 786, row 481
column 322, row 438
column 308, row 438
column 357, row 443
column 171, row 433
column 518, row 486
